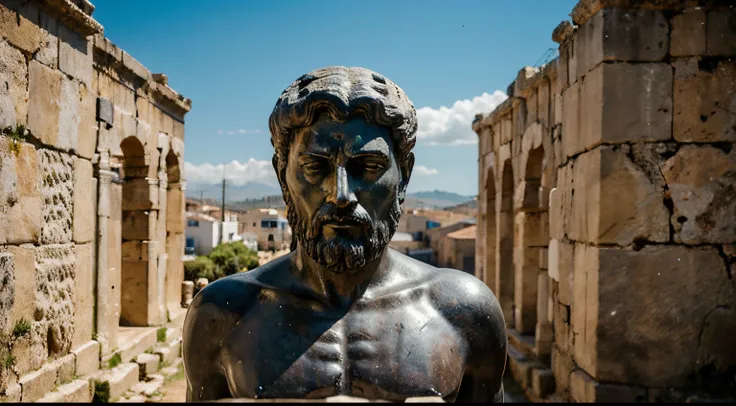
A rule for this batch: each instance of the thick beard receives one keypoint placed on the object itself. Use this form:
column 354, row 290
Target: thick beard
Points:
column 340, row 254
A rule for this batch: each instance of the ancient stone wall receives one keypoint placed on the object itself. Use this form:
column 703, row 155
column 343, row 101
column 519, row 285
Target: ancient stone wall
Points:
column 607, row 211
column 83, row 125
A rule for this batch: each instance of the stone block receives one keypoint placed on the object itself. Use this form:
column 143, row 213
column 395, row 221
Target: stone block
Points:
column 701, row 181
column 178, row 130
column 169, row 351
column 57, row 190
column 584, row 312
column 716, row 344
column 136, row 225
column 85, row 201
column 12, row 394
column 603, row 213
column 521, row 368
column 19, row 24
column 134, row 293
column 135, row 251
column 583, row 388
column 37, row 384
column 87, row 358
column 619, row 34
column 136, row 67
column 105, row 110
column 704, row 100
column 543, row 258
column 14, row 89
column 87, row 130
column 688, row 33
column 84, row 295
column 44, row 102
column 20, row 194
column 543, row 382
column 138, row 195
column 148, row 364
column 77, row 391
column 48, row 52
column 624, row 103
column 571, row 119
column 121, row 378
column 629, row 341
column 721, row 32
column 65, row 369
column 75, row 55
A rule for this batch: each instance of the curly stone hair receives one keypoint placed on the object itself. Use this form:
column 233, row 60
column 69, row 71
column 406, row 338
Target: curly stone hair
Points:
column 341, row 92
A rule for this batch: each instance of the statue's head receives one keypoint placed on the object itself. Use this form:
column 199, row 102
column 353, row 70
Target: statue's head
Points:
column 343, row 139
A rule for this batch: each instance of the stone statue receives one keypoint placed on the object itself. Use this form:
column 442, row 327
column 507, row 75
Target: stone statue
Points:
column 343, row 314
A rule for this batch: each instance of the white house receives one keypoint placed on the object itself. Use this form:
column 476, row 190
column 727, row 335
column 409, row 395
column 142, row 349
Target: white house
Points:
column 203, row 233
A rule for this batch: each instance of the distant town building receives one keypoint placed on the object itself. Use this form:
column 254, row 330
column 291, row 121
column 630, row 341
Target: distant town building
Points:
column 203, row 233
column 271, row 228
column 458, row 250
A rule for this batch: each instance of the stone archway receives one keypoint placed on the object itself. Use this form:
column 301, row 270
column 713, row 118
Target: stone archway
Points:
column 531, row 241
column 137, row 232
column 505, row 283
column 490, row 232
column 174, row 231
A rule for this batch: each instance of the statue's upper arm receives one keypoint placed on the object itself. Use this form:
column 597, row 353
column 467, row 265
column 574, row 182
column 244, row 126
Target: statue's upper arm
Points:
column 204, row 327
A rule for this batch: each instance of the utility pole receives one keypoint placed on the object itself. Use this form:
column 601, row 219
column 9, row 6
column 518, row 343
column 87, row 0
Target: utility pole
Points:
column 201, row 199
column 222, row 209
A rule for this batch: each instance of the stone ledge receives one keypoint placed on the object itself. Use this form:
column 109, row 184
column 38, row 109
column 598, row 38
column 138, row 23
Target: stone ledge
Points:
column 585, row 9
column 72, row 16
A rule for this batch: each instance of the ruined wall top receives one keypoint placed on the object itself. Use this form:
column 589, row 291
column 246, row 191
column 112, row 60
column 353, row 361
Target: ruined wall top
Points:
column 77, row 15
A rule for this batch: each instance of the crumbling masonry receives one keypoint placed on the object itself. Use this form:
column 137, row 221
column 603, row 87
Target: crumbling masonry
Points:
column 607, row 206
column 91, row 200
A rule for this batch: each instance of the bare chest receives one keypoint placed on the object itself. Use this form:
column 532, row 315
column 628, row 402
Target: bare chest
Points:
column 378, row 351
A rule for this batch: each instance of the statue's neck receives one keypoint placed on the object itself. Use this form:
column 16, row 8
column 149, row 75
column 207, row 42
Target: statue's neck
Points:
column 339, row 289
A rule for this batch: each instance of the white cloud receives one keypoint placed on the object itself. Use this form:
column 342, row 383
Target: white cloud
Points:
column 237, row 173
column 239, row 131
column 453, row 125
column 422, row 170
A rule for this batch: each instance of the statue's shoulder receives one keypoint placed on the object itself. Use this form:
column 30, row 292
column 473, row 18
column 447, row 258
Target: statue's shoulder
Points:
column 238, row 293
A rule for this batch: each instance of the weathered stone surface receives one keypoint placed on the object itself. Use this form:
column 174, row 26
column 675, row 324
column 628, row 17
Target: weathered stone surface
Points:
column 87, row 358
column 77, row 391
column 84, row 295
column 721, row 33
column 621, row 35
column 85, row 200
column 44, row 97
column 688, row 33
column 137, row 225
column 623, row 103
column 601, row 213
column 148, row 364
column 69, row 119
column 135, row 66
column 20, row 193
column 36, row 384
column 716, row 343
column 54, row 313
column 663, row 313
column 48, row 52
column 571, row 119
column 560, row 203
column 704, row 100
column 139, row 195
column 58, row 194
column 7, row 289
column 75, row 55
column 543, row 382
column 121, row 378
column 12, row 394
column 702, row 184
column 13, row 86
column 562, row 328
column 20, row 26
column 65, row 369
column 583, row 388
column 105, row 110
column 87, row 130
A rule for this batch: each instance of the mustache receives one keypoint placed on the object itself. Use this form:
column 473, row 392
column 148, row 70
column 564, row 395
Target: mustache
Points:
column 331, row 213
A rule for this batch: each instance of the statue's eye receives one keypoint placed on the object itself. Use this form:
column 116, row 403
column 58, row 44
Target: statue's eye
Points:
column 313, row 166
column 372, row 167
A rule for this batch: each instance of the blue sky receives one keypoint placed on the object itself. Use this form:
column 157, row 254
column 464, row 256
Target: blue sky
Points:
column 233, row 59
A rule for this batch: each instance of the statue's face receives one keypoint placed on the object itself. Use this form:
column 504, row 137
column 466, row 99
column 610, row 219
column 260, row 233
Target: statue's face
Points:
column 343, row 180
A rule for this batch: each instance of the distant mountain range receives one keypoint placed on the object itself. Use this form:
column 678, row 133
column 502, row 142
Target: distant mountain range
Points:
column 436, row 199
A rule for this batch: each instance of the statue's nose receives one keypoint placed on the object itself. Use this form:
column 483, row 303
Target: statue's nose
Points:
column 341, row 195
